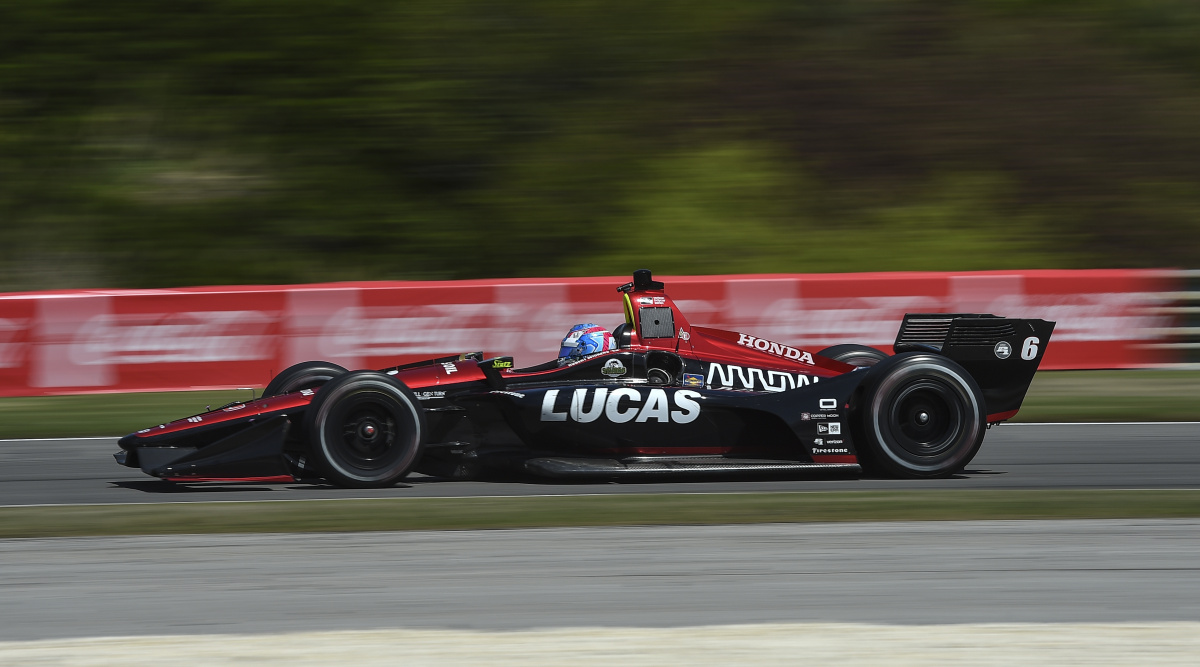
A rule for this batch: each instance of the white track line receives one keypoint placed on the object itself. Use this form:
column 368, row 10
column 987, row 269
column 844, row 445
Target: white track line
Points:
column 554, row 495
column 86, row 437
column 1094, row 423
column 842, row 644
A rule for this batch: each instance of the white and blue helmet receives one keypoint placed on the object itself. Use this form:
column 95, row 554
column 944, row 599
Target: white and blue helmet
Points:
column 584, row 340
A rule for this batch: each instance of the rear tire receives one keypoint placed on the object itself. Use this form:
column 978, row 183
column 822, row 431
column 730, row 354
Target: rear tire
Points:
column 855, row 355
column 304, row 375
column 365, row 429
column 919, row 415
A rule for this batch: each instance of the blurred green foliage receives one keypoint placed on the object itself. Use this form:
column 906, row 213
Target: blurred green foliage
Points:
column 261, row 141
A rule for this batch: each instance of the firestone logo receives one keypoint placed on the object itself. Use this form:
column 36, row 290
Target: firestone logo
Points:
column 777, row 349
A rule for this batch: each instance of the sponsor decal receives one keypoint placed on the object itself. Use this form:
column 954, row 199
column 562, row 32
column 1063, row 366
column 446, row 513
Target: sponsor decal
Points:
column 683, row 335
column 693, row 380
column 804, row 416
column 514, row 394
column 450, row 367
column 613, row 368
column 828, row 403
column 235, row 408
column 145, row 430
column 501, row 364
column 832, row 428
column 160, row 338
column 1003, row 350
column 307, row 392
column 823, row 446
column 195, row 420
column 623, row 405
column 777, row 349
column 427, row 395
column 728, row 376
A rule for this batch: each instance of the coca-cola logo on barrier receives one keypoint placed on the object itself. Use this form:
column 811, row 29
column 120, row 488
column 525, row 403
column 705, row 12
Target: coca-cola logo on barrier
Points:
column 383, row 331
column 191, row 337
column 1091, row 317
column 11, row 350
column 816, row 322
column 1115, row 316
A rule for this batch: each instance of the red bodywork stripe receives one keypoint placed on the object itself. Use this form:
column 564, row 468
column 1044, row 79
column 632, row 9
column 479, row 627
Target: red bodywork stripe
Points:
column 834, row 458
column 270, row 480
column 1001, row 416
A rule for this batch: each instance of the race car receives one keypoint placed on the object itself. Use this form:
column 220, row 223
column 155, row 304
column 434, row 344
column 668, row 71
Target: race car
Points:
column 671, row 398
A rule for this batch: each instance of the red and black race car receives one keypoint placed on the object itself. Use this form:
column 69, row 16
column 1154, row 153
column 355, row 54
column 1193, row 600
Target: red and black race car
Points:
column 672, row 399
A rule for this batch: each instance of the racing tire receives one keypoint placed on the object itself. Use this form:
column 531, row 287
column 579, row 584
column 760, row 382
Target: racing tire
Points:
column 918, row 415
column 304, row 375
column 365, row 430
column 855, row 355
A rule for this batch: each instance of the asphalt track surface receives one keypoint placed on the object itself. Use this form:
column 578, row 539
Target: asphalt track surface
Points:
column 919, row 574
column 1013, row 456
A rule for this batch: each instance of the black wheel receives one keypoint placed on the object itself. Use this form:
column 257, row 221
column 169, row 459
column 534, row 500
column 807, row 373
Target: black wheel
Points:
column 855, row 355
column 365, row 430
column 919, row 415
column 304, row 375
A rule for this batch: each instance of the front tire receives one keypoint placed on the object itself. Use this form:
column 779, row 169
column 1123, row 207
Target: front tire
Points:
column 365, row 429
column 304, row 375
column 919, row 415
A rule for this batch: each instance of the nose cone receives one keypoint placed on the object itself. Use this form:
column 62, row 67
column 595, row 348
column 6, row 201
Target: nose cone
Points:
column 129, row 442
column 135, row 440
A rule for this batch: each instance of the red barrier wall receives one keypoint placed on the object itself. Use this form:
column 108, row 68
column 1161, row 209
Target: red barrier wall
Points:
column 214, row 337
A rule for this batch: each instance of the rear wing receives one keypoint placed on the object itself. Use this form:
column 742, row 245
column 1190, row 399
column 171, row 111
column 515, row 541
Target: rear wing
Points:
column 1001, row 353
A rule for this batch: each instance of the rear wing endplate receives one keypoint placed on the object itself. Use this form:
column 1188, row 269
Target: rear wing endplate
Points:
column 1001, row 353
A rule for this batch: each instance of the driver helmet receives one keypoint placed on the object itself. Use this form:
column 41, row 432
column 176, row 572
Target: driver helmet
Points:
column 584, row 340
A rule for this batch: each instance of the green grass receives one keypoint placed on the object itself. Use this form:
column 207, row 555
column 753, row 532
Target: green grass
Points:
column 1054, row 396
column 616, row 510
column 103, row 414
column 1109, row 396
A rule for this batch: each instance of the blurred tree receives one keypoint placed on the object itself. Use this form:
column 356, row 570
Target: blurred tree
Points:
column 240, row 141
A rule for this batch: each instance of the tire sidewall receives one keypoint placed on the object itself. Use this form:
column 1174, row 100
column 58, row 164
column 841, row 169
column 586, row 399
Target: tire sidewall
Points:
column 888, row 383
column 323, row 422
column 862, row 356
